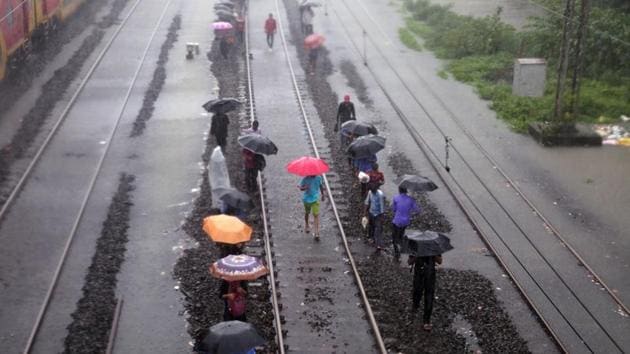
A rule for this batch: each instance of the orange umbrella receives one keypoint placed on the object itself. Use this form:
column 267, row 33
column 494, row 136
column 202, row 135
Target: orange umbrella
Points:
column 226, row 229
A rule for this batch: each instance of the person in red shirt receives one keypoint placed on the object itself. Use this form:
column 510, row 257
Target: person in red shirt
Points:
column 249, row 162
column 240, row 28
column 270, row 29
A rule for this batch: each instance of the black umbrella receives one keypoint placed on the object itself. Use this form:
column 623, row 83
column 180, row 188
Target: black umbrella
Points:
column 228, row 5
column 225, row 3
column 225, row 15
column 358, row 128
column 366, row 146
column 417, row 183
column 221, row 105
column 237, row 199
column 258, row 144
column 222, row 7
column 231, row 337
column 426, row 243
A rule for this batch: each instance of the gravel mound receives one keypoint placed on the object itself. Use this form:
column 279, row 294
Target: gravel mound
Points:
column 203, row 306
column 157, row 82
column 92, row 320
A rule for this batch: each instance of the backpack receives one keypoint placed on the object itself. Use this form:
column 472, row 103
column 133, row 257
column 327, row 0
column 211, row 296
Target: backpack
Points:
column 259, row 162
column 237, row 306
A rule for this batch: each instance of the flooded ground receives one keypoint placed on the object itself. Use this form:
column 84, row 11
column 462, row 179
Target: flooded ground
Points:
column 514, row 12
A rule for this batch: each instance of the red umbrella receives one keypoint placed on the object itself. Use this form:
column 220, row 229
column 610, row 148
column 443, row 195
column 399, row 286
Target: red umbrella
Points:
column 314, row 40
column 307, row 166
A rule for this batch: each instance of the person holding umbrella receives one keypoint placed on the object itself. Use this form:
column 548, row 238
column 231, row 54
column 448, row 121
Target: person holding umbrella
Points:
column 254, row 146
column 426, row 251
column 403, row 206
column 219, row 128
column 375, row 210
column 270, row 30
column 345, row 112
column 310, row 168
column 235, row 271
column 313, row 188
column 234, row 294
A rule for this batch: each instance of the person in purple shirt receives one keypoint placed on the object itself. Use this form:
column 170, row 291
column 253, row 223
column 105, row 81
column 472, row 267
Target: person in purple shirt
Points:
column 402, row 206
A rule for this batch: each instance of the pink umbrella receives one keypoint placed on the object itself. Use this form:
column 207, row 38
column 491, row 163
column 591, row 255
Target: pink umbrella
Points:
column 222, row 26
column 307, row 166
column 314, row 41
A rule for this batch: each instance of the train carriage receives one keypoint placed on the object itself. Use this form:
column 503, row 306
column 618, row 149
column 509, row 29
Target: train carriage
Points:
column 20, row 19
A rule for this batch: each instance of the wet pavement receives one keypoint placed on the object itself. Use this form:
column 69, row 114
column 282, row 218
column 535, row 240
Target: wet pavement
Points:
column 321, row 312
column 34, row 251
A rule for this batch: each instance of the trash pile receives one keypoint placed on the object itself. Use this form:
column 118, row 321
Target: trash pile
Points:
column 614, row 134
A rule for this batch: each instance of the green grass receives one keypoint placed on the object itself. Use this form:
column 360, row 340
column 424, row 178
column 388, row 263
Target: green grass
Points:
column 489, row 68
column 409, row 39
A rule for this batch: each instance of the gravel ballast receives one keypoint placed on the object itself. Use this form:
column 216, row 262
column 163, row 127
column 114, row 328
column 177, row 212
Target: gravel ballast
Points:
column 203, row 306
column 92, row 319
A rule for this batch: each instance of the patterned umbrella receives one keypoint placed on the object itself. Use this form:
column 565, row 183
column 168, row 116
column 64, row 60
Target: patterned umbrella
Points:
column 307, row 166
column 238, row 267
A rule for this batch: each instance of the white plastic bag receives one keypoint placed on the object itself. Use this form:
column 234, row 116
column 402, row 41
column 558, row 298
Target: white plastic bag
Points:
column 218, row 176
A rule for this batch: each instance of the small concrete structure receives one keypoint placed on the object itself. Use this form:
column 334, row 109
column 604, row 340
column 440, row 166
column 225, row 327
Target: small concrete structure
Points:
column 529, row 77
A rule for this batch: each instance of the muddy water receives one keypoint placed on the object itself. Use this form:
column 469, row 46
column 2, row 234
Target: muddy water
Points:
column 514, row 12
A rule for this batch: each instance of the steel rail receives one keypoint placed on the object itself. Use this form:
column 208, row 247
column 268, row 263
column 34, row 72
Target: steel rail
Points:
column 357, row 277
column 501, row 171
column 435, row 162
column 268, row 254
column 508, row 214
column 113, row 331
column 75, row 226
column 62, row 117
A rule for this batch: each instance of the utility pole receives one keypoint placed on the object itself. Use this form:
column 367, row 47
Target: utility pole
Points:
column 579, row 57
column 563, row 64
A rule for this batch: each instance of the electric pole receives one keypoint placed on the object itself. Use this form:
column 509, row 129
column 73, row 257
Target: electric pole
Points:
column 563, row 64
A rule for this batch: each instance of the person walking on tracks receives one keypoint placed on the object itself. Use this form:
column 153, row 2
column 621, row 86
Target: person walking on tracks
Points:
column 234, row 300
column 403, row 206
column 313, row 53
column 306, row 16
column 345, row 112
column 424, row 279
column 375, row 210
column 219, row 128
column 313, row 188
column 270, row 30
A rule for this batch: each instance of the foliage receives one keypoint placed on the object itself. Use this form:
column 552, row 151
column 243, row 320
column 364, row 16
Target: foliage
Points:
column 483, row 51
column 409, row 39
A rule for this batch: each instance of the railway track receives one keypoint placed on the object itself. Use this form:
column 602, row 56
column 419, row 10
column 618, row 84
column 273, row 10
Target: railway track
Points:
column 321, row 268
column 564, row 292
column 38, row 175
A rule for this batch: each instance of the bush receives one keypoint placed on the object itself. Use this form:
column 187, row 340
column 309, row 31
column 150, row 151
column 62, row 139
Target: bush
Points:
column 409, row 39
